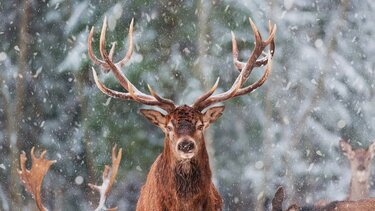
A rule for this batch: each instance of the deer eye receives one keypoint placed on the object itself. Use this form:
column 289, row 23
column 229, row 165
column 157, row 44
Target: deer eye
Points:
column 169, row 128
column 200, row 127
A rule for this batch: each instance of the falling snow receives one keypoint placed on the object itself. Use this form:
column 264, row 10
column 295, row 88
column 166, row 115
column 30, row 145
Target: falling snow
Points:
column 320, row 90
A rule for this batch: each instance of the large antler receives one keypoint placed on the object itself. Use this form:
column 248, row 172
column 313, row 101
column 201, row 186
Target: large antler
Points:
column 208, row 99
column 109, row 177
column 102, row 63
column 32, row 180
column 106, row 64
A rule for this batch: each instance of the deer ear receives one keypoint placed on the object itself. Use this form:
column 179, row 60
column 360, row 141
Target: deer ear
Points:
column 346, row 148
column 277, row 201
column 212, row 114
column 293, row 207
column 155, row 117
column 371, row 149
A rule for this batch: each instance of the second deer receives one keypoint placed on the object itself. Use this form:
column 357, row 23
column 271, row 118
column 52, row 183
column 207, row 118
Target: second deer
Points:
column 360, row 166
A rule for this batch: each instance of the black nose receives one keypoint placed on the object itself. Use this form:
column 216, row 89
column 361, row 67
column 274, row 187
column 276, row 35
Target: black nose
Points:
column 361, row 168
column 186, row 146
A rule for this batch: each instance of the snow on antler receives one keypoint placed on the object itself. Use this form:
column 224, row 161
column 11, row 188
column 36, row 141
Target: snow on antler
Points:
column 109, row 176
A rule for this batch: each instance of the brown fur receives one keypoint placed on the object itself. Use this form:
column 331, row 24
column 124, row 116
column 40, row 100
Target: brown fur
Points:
column 179, row 185
column 277, row 201
column 360, row 165
column 360, row 205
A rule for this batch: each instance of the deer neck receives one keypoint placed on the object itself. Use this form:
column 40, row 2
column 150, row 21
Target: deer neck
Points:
column 358, row 188
column 189, row 177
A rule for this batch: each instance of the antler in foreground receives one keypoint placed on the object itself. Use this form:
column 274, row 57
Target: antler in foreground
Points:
column 109, row 177
column 32, row 180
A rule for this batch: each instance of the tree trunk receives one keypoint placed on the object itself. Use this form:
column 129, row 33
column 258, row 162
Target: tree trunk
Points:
column 16, row 139
column 83, row 102
column 204, row 9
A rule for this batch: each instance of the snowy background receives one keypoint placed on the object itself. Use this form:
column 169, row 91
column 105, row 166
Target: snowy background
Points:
column 321, row 89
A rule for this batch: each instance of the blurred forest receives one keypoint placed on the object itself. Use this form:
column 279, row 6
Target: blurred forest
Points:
column 321, row 89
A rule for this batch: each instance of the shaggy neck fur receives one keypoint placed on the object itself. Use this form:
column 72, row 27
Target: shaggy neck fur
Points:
column 177, row 185
column 188, row 177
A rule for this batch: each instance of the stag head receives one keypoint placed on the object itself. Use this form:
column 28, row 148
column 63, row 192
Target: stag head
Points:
column 184, row 125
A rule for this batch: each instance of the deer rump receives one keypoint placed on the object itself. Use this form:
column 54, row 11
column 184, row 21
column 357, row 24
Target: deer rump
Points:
column 361, row 205
column 184, row 186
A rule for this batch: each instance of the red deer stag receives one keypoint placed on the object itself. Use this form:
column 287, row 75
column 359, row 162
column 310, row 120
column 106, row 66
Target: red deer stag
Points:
column 360, row 165
column 32, row 179
column 180, row 177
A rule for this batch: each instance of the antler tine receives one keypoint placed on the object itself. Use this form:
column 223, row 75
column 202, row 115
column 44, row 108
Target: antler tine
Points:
column 246, row 68
column 271, row 36
column 133, row 92
column 163, row 103
column 115, row 165
column 118, row 74
column 130, row 46
column 271, row 42
column 92, row 56
column 102, row 50
column 112, row 51
column 258, row 48
column 263, row 61
column 207, row 94
column 105, row 67
column 237, row 63
column 258, row 83
column 110, row 92
column 32, row 180
column 159, row 98
column 219, row 97
column 109, row 177
column 258, row 40
column 131, row 95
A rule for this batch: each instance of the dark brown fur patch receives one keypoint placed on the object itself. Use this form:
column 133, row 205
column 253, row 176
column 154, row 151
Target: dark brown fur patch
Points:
column 185, row 114
column 187, row 177
column 184, row 119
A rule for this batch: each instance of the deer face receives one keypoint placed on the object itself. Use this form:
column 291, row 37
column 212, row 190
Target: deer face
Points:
column 184, row 128
column 360, row 160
